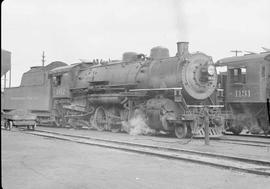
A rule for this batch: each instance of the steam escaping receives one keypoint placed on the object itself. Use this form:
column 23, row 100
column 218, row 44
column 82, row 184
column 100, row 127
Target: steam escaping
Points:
column 137, row 125
column 247, row 121
column 180, row 20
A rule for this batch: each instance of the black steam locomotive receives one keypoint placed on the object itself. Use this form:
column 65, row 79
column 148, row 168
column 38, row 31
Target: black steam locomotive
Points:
column 171, row 94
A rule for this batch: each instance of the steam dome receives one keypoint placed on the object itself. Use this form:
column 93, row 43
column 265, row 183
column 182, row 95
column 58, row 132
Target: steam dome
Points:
column 159, row 52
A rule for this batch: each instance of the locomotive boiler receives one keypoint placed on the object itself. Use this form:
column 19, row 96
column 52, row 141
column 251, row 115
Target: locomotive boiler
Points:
column 170, row 93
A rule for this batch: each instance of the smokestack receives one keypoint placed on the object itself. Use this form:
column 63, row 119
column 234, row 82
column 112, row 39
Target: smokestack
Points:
column 182, row 48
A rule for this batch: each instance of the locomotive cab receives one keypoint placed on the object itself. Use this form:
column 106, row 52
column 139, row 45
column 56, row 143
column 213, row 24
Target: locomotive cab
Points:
column 61, row 81
column 67, row 83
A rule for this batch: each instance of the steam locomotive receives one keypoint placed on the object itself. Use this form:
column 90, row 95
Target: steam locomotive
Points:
column 171, row 94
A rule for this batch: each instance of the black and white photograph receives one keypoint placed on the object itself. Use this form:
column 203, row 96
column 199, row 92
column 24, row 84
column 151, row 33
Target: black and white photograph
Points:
column 135, row 94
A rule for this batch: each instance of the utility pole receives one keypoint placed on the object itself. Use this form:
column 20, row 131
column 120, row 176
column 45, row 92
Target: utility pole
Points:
column 236, row 51
column 43, row 59
column 43, row 64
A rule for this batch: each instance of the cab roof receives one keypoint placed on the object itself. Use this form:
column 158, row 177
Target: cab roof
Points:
column 64, row 69
column 234, row 59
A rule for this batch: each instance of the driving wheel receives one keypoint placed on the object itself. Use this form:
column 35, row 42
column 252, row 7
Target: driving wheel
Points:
column 180, row 131
column 100, row 119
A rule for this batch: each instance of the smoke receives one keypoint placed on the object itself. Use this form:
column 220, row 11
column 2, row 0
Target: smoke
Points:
column 247, row 119
column 181, row 22
column 137, row 125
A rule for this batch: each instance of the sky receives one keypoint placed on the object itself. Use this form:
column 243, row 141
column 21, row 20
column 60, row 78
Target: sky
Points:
column 69, row 30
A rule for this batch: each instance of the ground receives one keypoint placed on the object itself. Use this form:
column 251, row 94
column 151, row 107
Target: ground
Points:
column 32, row 162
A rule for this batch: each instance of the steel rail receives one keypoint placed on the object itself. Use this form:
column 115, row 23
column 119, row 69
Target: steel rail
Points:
column 246, row 141
column 258, row 167
column 248, row 135
column 230, row 141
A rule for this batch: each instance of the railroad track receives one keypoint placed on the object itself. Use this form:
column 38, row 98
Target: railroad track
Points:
column 249, row 140
column 228, row 138
column 245, row 141
column 258, row 167
column 248, row 135
column 235, row 139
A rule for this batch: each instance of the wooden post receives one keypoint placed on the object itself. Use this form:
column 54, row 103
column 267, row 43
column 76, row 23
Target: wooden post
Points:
column 268, row 110
column 206, row 125
column 130, row 107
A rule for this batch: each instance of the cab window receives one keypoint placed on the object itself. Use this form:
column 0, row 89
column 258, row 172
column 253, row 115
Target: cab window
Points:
column 57, row 80
column 238, row 75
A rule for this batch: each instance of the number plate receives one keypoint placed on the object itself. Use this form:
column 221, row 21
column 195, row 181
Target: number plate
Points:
column 242, row 93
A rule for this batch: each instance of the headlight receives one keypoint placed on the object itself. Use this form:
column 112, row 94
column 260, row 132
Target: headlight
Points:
column 211, row 70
